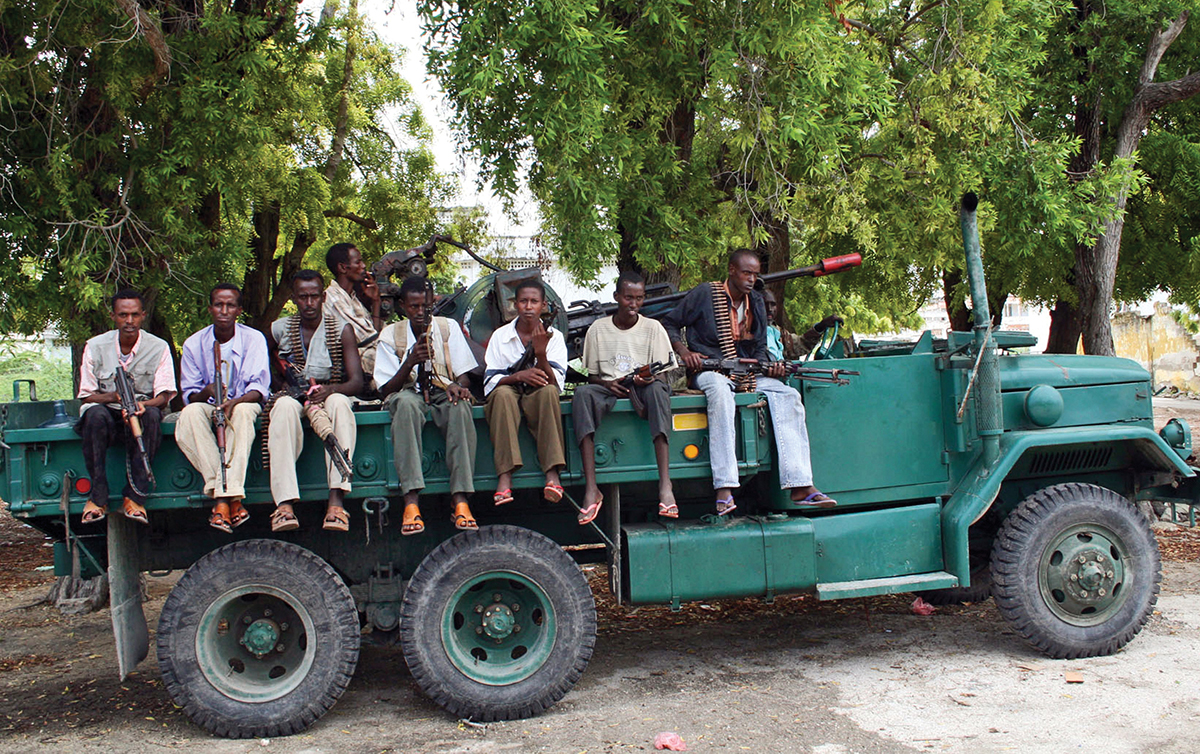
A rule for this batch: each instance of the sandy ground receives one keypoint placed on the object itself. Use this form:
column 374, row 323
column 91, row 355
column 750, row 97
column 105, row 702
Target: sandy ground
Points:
column 864, row 675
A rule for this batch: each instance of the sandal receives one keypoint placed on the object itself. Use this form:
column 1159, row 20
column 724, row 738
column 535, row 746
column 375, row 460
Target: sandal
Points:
column 502, row 496
column 135, row 512
column 725, row 506
column 93, row 513
column 219, row 519
column 413, row 524
column 237, row 514
column 336, row 519
column 462, row 518
column 668, row 510
column 552, row 492
column 817, row 500
column 282, row 520
column 588, row 513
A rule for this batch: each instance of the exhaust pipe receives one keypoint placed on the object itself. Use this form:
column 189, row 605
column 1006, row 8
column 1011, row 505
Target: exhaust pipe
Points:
column 988, row 421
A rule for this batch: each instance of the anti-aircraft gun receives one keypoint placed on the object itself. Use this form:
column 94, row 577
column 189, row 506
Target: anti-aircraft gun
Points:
column 661, row 298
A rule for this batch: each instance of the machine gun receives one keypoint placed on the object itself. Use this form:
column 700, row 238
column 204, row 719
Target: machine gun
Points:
column 218, row 417
column 735, row 367
column 425, row 368
column 646, row 371
column 415, row 261
column 318, row 417
column 581, row 314
column 129, row 407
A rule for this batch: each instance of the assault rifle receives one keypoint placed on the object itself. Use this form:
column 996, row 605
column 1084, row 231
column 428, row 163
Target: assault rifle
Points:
column 646, row 371
column 129, row 405
column 318, row 417
column 791, row 368
column 218, row 417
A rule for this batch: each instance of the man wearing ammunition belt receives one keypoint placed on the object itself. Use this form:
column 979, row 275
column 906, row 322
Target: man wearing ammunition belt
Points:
column 225, row 375
column 353, row 297
column 625, row 355
column 146, row 360
column 421, row 366
column 526, row 369
column 318, row 356
column 728, row 320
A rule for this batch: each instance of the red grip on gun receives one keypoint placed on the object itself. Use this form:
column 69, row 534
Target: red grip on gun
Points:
column 837, row 264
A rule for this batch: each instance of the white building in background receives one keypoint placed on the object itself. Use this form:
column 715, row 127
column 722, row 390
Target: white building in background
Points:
column 520, row 252
column 1018, row 316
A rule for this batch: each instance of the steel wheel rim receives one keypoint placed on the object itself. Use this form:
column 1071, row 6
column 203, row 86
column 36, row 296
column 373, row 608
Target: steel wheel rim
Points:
column 1082, row 575
column 238, row 640
column 498, row 628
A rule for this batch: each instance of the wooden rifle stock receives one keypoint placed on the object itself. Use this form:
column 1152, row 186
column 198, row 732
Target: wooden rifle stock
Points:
column 129, row 406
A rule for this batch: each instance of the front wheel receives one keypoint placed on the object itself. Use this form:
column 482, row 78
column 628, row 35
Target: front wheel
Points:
column 1075, row 570
column 497, row 624
column 258, row 639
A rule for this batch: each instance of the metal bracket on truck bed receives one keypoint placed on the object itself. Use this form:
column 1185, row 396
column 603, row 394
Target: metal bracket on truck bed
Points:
column 125, row 595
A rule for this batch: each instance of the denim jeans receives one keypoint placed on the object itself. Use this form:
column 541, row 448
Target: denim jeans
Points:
column 787, row 421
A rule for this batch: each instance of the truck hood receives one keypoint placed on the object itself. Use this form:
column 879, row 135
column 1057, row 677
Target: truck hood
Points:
column 1024, row 371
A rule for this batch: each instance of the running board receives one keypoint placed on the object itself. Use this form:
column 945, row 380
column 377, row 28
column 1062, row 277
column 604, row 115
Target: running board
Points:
column 836, row 590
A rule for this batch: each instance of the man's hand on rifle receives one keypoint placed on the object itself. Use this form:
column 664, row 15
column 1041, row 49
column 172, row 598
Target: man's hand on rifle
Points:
column 616, row 388
column 141, row 409
column 418, row 354
column 533, row 377
column 691, row 359
column 318, row 393
column 828, row 322
column 456, row 392
column 775, row 369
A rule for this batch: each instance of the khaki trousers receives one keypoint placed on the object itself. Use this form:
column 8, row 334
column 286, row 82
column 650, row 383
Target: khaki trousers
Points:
column 285, row 440
column 197, row 438
column 543, row 413
column 409, row 413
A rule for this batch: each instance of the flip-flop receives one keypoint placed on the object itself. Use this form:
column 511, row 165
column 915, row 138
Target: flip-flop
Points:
column 134, row 512
column 817, row 500
column 668, row 510
column 725, row 506
column 589, row 513
column 412, row 524
column 463, row 521
column 238, row 515
column 282, row 520
column 93, row 513
column 219, row 518
column 502, row 496
column 336, row 519
column 552, row 492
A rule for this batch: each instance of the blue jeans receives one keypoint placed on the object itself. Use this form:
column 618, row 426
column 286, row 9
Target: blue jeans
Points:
column 787, row 421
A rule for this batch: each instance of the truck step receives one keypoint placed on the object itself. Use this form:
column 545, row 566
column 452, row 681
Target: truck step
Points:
column 836, row 590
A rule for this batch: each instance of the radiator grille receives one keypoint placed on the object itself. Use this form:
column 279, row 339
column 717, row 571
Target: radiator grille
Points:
column 1055, row 461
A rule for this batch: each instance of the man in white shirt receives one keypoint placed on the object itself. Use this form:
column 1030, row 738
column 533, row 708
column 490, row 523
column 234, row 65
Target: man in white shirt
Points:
column 421, row 366
column 532, row 390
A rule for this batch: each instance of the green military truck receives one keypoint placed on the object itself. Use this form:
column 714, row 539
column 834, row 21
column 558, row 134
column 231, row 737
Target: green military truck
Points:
column 959, row 467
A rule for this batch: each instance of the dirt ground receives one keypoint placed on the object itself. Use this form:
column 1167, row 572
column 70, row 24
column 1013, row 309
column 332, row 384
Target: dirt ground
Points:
column 864, row 675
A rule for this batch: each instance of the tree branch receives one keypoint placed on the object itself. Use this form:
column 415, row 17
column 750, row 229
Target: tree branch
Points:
column 365, row 222
column 147, row 26
column 1159, row 42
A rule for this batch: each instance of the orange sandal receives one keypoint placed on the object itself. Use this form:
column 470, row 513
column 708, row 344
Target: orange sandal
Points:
column 413, row 524
column 462, row 518
column 135, row 512
column 336, row 519
column 219, row 519
column 93, row 513
column 238, row 515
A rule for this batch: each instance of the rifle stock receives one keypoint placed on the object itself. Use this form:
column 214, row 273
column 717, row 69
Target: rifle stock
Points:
column 318, row 417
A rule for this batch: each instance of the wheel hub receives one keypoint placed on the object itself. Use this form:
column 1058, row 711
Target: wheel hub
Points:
column 499, row 621
column 261, row 637
column 1082, row 575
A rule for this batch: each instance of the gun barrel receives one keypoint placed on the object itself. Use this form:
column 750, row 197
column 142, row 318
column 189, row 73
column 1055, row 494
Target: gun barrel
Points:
column 820, row 269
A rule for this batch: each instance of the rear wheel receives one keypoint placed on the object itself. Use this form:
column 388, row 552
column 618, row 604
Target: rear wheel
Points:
column 1076, row 570
column 497, row 624
column 258, row 639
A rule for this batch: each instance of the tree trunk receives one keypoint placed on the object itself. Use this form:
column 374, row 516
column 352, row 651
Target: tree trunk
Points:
column 260, row 274
column 956, row 308
column 338, row 146
column 1064, row 328
column 776, row 256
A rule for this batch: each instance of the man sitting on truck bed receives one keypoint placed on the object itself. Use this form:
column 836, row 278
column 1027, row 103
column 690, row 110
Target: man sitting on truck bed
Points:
column 318, row 351
column 421, row 368
column 353, row 297
column 525, row 372
column 239, row 354
column 728, row 320
column 147, row 361
column 622, row 353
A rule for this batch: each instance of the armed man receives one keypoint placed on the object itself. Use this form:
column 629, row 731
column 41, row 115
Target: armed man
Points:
column 224, row 375
column 625, row 355
column 142, row 362
column 422, row 367
column 353, row 297
column 525, row 372
column 318, row 356
column 728, row 320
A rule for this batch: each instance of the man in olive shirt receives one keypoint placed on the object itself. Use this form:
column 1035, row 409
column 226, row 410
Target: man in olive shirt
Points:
column 613, row 350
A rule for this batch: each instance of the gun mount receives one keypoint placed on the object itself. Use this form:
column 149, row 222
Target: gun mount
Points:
column 414, row 261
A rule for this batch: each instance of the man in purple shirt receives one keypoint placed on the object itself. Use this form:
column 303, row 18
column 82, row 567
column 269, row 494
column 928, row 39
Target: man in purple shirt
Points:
column 240, row 352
